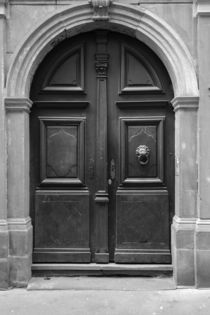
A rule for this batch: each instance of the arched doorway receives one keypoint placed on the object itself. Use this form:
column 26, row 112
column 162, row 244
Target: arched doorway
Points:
column 102, row 153
column 169, row 46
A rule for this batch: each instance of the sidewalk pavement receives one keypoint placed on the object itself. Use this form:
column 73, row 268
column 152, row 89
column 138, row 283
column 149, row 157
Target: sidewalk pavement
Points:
column 104, row 296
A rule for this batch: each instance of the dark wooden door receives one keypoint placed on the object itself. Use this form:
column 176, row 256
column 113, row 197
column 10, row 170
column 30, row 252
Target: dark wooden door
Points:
column 102, row 153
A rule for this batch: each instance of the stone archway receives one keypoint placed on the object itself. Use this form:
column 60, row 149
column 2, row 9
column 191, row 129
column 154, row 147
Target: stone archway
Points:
column 159, row 36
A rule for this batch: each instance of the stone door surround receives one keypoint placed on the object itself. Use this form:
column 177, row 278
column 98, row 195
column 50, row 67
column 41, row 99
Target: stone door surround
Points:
column 161, row 38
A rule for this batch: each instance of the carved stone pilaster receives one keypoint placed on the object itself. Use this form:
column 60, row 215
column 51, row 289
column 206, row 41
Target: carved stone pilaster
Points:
column 100, row 9
column 19, row 223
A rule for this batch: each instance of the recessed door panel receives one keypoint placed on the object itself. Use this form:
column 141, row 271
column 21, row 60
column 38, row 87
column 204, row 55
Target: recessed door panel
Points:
column 62, row 226
column 138, row 76
column 142, row 158
column 66, row 74
column 142, row 233
column 62, row 150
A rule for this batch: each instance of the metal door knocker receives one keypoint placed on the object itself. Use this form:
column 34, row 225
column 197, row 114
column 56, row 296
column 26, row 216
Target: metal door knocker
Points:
column 142, row 153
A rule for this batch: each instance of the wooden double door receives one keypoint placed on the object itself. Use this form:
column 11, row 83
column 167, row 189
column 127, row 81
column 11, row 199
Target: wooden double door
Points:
column 102, row 153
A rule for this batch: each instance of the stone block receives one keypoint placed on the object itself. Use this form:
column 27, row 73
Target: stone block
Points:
column 184, row 239
column 4, row 250
column 20, row 242
column 4, row 244
column 183, row 234
column 202, row 269
column 183, row 262
column 20, row 251
column 202, row 263
column 20, row 270
column 4, row 274
column 203, row 240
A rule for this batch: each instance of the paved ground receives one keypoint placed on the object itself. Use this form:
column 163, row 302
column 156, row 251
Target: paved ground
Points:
column 104, row 296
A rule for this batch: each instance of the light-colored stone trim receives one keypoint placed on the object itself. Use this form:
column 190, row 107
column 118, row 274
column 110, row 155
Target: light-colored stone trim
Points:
column 203, row 225
column 18, row 223
column 18, row 156
column 187, row 223
column 3, row 224
column 4, row 252
column 183, row 230
column 20, row 250
column 137, row 22
column 202, row 253
column 202, row 8
column 184, row 222
column 188, row 103
column 18, row 104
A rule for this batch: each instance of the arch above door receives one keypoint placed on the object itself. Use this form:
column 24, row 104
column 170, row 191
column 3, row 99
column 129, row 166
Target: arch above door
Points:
column 166, row 43
column 139, row 23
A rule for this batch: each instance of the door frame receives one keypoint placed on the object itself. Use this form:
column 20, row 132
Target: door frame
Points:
column 166, row 43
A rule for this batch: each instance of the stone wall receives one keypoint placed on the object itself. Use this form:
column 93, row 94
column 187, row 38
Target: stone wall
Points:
column 20, row 22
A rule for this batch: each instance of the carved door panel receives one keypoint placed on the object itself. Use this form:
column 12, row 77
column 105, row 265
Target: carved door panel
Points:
column 102, row 147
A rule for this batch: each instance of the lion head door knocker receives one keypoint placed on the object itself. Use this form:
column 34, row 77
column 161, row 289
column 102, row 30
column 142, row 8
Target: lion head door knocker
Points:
column 143, row 153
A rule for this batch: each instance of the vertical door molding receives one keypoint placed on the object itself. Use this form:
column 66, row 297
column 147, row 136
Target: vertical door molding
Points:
column 101, row 196
column 20, row 228
column 186, row 174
